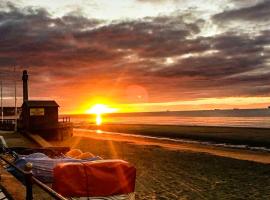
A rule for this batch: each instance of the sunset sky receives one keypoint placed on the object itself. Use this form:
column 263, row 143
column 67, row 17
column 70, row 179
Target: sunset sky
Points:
column 138, row 55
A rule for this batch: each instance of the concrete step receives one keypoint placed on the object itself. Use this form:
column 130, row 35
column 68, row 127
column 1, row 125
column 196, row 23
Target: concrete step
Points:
column 39, row 140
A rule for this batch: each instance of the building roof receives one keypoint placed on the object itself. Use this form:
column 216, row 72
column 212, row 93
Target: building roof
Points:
column 41, row 103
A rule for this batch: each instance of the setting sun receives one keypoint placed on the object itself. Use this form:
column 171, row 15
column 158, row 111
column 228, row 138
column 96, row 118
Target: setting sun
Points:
column 100, row 109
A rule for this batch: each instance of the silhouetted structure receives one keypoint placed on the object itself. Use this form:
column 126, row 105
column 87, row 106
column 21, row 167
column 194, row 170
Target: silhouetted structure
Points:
column 39, row 115
column 25, row 85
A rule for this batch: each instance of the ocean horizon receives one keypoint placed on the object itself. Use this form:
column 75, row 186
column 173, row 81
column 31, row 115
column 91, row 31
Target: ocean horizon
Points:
column 173, row 119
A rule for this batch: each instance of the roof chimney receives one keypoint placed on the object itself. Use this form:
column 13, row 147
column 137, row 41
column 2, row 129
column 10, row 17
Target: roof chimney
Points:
column 25, row 85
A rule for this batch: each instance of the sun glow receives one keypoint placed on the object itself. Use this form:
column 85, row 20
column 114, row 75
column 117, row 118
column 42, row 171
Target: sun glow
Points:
column 98, row 110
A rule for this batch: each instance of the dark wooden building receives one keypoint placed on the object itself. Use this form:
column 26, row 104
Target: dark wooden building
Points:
column 39, row 115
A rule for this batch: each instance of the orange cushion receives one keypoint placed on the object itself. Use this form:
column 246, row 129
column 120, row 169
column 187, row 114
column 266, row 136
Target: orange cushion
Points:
column 85, row 155
column 96, row 178
column 74, row 153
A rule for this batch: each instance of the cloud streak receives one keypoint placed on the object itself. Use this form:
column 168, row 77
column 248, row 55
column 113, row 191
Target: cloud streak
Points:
column 257, row 12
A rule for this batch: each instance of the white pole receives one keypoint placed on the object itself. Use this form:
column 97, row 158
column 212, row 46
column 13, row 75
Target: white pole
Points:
column 2, row 111
column 15, row 90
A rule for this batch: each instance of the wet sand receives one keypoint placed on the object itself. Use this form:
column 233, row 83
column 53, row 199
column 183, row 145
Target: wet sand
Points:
column 257, row 156
column 167, row 170
column 253, row 137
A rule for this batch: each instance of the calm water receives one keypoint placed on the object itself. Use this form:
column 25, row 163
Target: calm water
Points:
column 178, row 120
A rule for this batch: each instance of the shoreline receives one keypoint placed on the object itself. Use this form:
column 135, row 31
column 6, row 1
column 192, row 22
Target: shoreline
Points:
column 186, row 141
column 253, row 137
column 240, row 154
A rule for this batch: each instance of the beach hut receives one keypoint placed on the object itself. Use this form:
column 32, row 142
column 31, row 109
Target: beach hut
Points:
column 39, row 115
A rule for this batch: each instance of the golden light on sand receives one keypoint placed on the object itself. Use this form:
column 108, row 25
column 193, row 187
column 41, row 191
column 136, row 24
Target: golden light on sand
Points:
column 98, row 110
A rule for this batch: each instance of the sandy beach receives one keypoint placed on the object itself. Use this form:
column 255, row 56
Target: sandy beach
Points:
column 167, row 170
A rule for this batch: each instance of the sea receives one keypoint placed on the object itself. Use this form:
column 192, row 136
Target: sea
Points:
column 176, row 118
column 228, row 121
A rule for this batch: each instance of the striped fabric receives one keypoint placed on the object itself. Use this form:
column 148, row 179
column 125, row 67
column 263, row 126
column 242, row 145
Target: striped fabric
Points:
column 2, row 195
column 130, row 196
column 43, row 165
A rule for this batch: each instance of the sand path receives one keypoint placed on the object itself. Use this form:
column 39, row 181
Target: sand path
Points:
column 241, row 154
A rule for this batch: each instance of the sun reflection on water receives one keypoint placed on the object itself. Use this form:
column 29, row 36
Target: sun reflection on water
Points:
column 98, row 120
column 98, row 110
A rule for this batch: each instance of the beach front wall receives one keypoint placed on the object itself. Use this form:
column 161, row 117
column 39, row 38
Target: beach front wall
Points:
column 60, row 132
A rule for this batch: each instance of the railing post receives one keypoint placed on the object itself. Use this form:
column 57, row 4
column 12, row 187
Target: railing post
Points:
column 28, row 181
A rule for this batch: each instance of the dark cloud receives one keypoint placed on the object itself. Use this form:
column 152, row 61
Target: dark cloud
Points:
column 235, row 66
column 144, row 36
column 228, row 54
column 74, row 54
column 257, row 12
column 32, row 37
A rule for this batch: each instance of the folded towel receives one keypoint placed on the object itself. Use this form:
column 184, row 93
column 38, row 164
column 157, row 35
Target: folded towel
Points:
column 43, row 165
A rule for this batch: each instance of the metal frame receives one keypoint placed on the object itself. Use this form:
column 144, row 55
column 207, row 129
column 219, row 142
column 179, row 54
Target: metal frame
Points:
column 30, row 180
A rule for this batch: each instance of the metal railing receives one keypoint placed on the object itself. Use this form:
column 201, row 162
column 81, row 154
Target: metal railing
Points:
column 30, row 180
column 7, row 124
column 64, row 119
